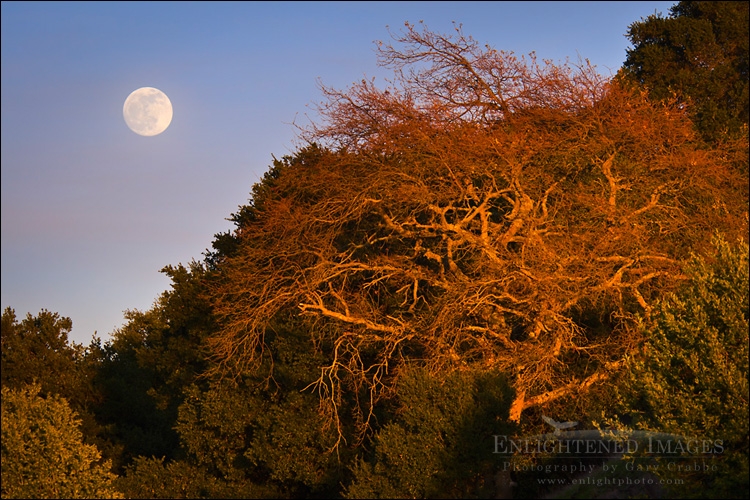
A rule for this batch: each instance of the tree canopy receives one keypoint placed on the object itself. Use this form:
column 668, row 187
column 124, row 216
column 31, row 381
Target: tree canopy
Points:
column 43, row 454
column 482, row 211
column 36, row 346
column 699, row 53
column 692, row 377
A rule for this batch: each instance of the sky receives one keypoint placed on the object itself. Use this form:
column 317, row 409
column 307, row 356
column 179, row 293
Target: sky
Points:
column 92, row 211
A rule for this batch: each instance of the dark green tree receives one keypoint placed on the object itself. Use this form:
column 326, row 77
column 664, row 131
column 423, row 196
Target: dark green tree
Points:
column 262, row 429
column 440, row 442
column 143, row 371
column 155, row 478
column 699, row 53
column 255, row 435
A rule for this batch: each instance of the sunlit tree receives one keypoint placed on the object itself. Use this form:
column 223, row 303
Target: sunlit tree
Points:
column 483, row 211
column 37, row 349
column 43, row 453
column 691, row 377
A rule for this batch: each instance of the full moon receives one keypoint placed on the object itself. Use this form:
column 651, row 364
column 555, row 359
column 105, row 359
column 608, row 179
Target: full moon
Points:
column 147, row 111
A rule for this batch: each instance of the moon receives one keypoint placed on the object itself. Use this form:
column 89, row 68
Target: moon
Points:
column 147, row 111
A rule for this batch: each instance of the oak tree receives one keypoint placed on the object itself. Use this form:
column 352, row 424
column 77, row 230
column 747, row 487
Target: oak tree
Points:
column 483, row 211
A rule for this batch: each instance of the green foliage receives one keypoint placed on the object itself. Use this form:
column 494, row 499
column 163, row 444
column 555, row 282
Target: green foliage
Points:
column 700, row 52
column 257, row 430
column 239, row 435
column 293, row 443
column 212, row 425
column 152, row 478
column 36, row 348
column 144, row 370
column 168, row 339
column 43, row 454
column 440, row 444
column 134, row 425
column 692, row 378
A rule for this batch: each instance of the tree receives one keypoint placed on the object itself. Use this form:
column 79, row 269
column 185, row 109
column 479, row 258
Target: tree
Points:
column 691, row 378
column 489, row 211
column 439, row 443
column 700, row 52
column 43, row 454
column 257, row 433
column 152, row 478
column 37, row 349
column 143, row 371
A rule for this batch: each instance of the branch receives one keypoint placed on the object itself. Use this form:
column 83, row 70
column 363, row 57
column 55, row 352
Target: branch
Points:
column 521, row 403
column 607, row 169
column 651, row 204
column 305, row 308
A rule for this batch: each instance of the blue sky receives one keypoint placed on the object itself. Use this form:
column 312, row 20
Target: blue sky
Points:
column 91, row 211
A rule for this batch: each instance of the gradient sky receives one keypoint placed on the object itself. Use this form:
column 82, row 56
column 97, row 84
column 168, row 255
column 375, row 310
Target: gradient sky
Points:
column 91, row 211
